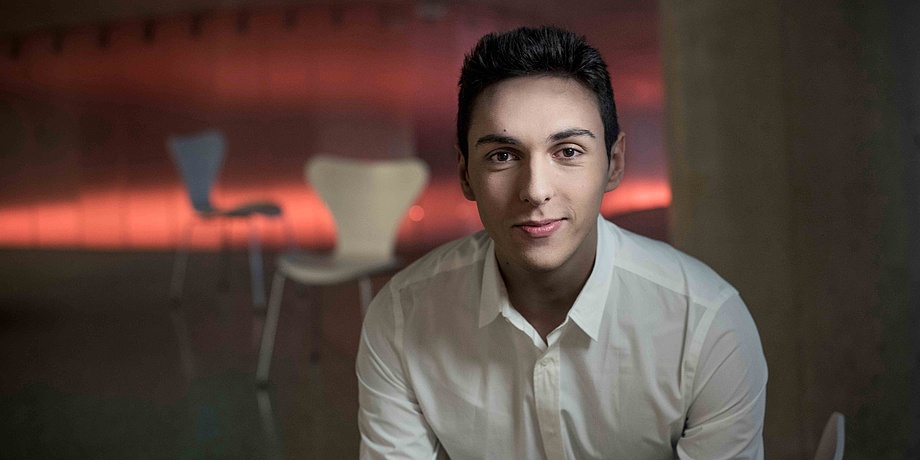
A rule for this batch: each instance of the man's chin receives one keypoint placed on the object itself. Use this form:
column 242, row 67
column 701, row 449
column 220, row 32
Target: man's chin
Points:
column 539, row 262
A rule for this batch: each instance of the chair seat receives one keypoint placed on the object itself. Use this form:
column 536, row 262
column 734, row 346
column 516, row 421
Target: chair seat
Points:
column 266, row 208
column 318, row 268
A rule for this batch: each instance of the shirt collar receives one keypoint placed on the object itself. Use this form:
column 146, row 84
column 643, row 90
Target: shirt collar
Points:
column 493, row 295
column 589, row 306
column 588, row 309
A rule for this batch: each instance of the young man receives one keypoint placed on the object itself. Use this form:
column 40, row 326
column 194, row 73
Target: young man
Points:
column 553, row 333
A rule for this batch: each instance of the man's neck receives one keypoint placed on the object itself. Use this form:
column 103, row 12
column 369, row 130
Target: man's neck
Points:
column 545, row 298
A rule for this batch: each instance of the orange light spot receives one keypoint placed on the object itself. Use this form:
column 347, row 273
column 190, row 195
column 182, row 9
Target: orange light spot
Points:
column 416, row 213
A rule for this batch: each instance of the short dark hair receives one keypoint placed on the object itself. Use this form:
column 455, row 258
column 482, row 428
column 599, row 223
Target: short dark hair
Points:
column 534, row 51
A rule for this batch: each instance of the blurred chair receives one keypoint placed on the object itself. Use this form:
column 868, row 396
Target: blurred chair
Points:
column 368, row 200
column 198, row 158
column 830, row 447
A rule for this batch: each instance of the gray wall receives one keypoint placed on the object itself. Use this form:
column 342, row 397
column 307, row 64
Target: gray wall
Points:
column 788, row 176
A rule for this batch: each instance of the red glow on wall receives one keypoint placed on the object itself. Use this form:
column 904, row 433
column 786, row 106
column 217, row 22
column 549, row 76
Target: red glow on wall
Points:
column 153, row 219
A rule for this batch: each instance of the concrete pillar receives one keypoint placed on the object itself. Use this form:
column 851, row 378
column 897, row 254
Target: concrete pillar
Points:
column 787, row 178
column 904, row 15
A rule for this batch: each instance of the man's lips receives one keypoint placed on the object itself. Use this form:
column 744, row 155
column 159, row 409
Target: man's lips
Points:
column 542, row 228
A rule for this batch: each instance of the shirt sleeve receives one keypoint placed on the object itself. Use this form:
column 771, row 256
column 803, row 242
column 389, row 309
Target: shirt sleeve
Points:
column 390, row 420
column 725, row 417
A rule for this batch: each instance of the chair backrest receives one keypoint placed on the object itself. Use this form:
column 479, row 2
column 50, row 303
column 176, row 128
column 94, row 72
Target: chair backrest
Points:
column 830, row 447
column 199, row 158
column 368, row 199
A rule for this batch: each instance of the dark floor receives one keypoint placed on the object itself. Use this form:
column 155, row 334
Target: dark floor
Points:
column 98, row 363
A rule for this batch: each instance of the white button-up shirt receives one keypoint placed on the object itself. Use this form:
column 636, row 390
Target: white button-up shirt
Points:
column 658, row 358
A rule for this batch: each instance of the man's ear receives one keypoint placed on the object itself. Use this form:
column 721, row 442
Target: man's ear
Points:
column 617, row 163
column 464, row 175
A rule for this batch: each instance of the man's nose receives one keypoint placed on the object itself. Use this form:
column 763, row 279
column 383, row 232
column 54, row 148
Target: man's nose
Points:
column 536, row 182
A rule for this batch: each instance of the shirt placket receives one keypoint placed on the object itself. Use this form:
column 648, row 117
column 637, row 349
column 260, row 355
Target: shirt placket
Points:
column 546, row 396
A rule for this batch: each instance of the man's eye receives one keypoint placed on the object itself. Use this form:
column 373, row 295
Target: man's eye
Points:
column 569, row 152
column 501, row 157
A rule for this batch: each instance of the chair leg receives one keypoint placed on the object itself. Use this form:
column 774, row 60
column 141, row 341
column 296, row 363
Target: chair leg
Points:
column 315, row 324
column 367, row 293
column 269, row 429
column 270, row 328
column 186, row 357
column 223, row 278
column 255, row 267
column 181, row 262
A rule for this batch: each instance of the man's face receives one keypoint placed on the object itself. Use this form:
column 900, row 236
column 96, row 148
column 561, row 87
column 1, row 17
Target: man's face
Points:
column 538, row 169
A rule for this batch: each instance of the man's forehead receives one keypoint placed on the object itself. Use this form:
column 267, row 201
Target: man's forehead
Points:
column 527, row 103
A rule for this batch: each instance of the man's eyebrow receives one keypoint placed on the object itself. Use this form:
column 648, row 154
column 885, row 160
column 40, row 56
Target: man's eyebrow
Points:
column 497, row 139
column 574, row 132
